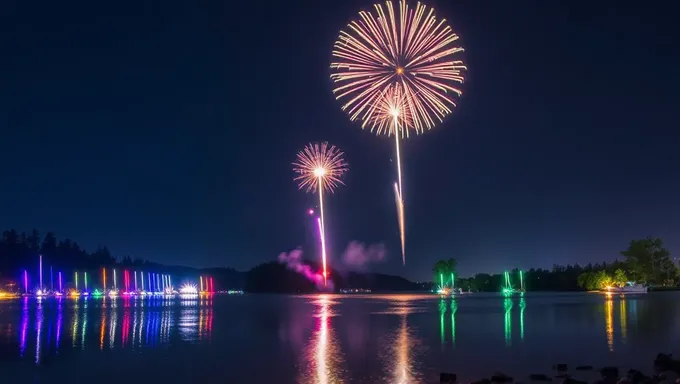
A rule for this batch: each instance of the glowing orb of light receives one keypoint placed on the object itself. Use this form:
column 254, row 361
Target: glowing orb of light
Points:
column 310, row 212
column 319, row 171
column 188, row 289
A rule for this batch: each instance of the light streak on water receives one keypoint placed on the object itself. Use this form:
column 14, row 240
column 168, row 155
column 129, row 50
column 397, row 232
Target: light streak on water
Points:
column 609, row 322
column 102, row 330
column 74, row 329
column 59, row 320
column 507, row 304
column 454, row 309
column 522, row 307
column 113, row 323
column 624, row 321
column 39, row 326
column 24, row 327
column 84, row 327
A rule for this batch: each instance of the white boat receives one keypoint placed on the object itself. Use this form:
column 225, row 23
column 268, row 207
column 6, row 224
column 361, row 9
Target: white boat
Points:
column 628, row 288
column 449, row 291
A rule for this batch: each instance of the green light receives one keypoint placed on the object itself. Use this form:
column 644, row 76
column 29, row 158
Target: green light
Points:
column 522, row 307
column 453, row 281
column 521, row 280
column 508, row 321
column 441, row 281
column 454, row 309
column 442, row 326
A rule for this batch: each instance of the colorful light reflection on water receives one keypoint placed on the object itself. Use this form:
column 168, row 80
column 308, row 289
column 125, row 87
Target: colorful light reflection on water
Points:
column 114, row 324
column 332, row 338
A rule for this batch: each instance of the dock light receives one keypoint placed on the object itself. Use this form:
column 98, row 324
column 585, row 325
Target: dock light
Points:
column 188, row 289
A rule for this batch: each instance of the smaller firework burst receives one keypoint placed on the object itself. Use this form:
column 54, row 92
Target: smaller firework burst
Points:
column 391, row 113
column 319, row 168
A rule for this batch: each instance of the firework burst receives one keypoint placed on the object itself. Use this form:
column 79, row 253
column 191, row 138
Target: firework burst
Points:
column 406, row 46
column 320, row 168
column 391, row 113
column 396, row 71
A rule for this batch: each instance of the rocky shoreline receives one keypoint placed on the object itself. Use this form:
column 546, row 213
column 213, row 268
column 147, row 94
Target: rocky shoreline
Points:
column 666, row 370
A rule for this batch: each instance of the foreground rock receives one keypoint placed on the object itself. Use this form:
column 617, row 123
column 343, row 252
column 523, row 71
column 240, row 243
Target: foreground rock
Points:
column 666, row 370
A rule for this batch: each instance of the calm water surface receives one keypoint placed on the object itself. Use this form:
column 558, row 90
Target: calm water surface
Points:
column 329, row 338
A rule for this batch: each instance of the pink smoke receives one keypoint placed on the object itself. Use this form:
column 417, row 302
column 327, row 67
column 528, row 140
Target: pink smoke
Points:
column 293, row 261
column 358, row 255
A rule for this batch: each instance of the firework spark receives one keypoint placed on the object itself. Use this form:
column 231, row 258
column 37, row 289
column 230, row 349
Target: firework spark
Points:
column 396, row 71
column 320, row 168
column 398, row 46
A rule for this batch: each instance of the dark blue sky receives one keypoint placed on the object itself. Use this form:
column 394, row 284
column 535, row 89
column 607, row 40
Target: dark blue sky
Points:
column 166, row 130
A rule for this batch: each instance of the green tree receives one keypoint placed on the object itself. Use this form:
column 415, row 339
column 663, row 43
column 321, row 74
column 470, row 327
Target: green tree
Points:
column 585, row 281
column 620, row 278
column 648, row 260
column 443, row 270
column 594, row 280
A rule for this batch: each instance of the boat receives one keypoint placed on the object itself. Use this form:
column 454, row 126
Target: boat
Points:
column 451, row 292
column 627, row 288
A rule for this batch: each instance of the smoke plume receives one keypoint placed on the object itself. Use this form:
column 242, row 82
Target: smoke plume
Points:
column 293, row 260
column 359, row 255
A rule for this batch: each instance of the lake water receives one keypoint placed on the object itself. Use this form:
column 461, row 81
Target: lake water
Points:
column 329, row 338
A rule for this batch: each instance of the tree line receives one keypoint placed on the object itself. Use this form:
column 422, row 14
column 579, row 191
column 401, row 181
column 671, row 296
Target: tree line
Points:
column 20, row 250
column 645, row 261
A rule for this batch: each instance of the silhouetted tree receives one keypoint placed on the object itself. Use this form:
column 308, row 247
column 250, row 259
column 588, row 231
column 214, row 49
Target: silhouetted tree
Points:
column 650, row 262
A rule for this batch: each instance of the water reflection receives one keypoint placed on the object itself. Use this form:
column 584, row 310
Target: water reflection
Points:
column 623, row 315
column 39, row 325
column 609, row 321
column 442, row 326
column 507, row 306
column 623, row 318
column 454, row 309
column 323, row 353
column 442, row 321
column 123, row 323
column 405, row 346
column 522, row 307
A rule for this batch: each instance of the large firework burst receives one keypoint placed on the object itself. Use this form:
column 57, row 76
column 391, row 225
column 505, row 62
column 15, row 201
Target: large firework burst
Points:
column 408, row 46
column 320, row 168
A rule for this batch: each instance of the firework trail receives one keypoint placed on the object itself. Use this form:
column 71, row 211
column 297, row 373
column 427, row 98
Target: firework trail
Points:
column 395, row 70
column 320, row 168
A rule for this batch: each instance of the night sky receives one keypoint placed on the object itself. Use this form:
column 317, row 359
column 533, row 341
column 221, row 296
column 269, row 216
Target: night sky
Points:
column 166, row 130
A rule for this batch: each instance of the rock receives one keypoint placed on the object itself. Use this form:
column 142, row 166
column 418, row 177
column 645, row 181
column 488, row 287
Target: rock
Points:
column 610, row 374
column 636, row 377
column 500, row 377
column 569, row 380
column 665, row 362
column 446, row 377
column 482, row 381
